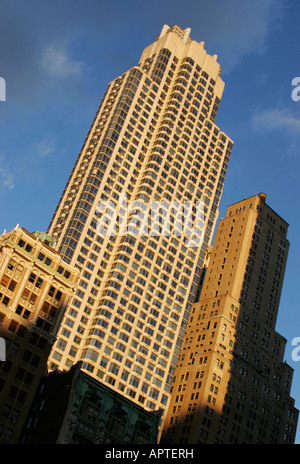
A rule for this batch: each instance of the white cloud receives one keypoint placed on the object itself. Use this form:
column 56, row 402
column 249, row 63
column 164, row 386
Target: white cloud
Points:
column 6, row 177
column 56, row 62
column 276, row 119
column 43, row 148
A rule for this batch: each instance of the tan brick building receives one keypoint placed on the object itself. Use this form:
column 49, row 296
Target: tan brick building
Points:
column 231, row 384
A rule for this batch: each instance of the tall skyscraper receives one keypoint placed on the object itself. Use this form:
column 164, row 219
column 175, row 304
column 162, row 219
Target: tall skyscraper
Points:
column 153, row 140
column 231, row 384
column 35, row 286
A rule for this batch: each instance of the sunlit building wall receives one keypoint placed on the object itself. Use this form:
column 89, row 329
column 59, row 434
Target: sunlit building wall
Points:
column 35, row 287
column 153, row 139
column 231, row 384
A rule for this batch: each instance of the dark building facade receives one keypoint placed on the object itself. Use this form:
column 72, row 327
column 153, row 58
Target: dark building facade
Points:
column 73, row 408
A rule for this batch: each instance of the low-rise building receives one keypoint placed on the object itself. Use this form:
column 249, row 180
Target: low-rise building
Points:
column 35, row 287
column 74, row 408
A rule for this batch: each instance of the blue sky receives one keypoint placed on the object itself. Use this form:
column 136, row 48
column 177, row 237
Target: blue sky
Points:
column 57, row 58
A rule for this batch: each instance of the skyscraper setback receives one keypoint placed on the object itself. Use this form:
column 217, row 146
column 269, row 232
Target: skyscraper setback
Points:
column 154, row 139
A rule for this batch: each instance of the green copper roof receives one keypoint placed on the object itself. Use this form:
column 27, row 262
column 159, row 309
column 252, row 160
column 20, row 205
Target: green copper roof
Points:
column 47, row 239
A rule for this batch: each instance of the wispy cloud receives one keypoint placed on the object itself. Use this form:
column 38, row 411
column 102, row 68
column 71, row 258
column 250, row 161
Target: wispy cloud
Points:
column 6, row 177
column 58, row 63
column 281, row 120
column 43, row 148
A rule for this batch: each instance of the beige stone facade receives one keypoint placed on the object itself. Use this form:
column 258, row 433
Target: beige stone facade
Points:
column 154, row 139
column 35, row 287
column 231, row 384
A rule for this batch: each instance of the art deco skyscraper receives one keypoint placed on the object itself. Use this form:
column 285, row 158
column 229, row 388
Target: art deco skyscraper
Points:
column 231, row 384
column 153, row 139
